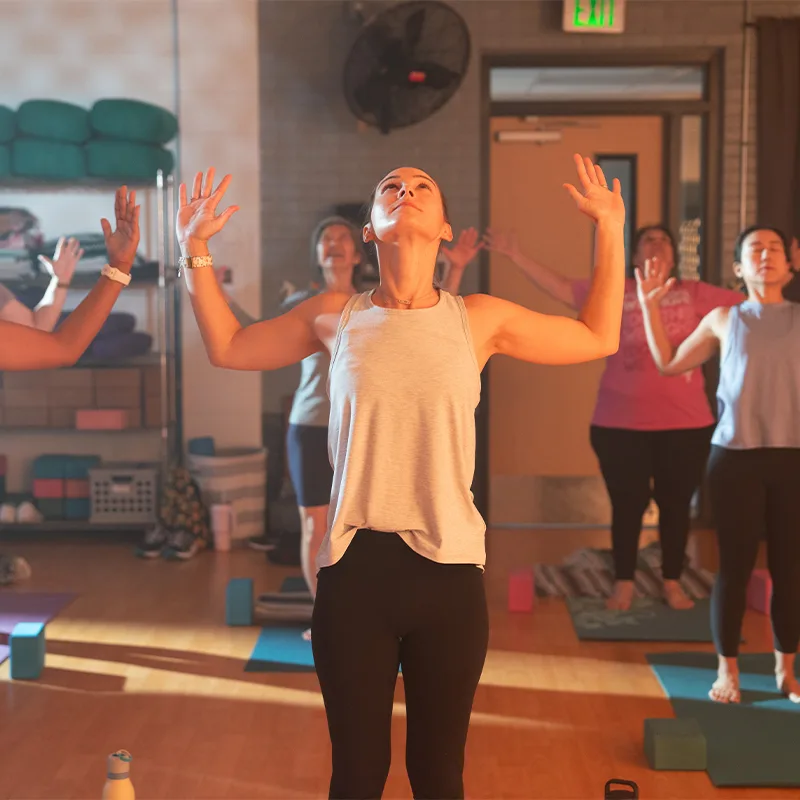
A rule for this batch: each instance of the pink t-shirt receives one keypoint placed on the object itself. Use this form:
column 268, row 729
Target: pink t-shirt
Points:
column 633, row 394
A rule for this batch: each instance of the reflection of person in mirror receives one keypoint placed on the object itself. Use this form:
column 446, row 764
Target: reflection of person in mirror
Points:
column 651, row 435
column 60, row 268
column 24, row 345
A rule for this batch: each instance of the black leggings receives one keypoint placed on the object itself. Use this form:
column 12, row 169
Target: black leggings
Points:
column 638, row 465
column 754, row 494
column 380, row 607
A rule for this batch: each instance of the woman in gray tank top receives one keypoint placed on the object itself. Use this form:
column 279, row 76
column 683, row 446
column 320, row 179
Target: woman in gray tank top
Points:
column 755, row 457
column 400, row 580
column 336, row 257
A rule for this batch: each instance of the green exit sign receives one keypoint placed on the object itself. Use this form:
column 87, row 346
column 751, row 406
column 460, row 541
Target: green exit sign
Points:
column 594, row 16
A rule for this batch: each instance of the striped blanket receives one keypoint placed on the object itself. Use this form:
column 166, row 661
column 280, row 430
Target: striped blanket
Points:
column 590, row 573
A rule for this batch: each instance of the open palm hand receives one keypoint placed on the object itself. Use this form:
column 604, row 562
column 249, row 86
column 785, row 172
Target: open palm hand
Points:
column 197, row 215
column 599, row 202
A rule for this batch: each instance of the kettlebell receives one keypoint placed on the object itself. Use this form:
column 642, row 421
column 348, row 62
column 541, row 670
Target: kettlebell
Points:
column 630, row 792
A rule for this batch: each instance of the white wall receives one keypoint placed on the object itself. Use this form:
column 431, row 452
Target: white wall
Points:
column 83, row 50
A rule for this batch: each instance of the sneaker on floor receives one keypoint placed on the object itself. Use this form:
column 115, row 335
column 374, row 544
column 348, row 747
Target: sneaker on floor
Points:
column 181, row 546
column 153, row 543
column 263, row 543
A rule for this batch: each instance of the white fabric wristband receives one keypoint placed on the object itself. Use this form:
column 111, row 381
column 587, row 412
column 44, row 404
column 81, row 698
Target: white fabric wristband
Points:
column 113, row 274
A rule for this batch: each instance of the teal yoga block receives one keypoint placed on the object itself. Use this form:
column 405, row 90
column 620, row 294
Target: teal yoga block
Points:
column 239, row 602
column 26, row 645
column 674, row 744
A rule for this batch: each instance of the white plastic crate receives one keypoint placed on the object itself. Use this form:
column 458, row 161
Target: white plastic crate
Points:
column 124, row 493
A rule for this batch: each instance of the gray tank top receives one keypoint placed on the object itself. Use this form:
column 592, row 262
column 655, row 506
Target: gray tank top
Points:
column 310, row 405
column 758, row 397
column 404, row 386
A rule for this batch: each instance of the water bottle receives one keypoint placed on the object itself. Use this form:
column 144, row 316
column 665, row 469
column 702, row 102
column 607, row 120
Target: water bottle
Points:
column 118, row 780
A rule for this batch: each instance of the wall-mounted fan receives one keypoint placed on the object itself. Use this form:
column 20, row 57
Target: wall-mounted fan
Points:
column 406, row 63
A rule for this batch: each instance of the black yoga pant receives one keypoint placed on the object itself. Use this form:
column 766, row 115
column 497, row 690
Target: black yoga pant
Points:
column 755, row 495
column 383, row 606
column 639, row 465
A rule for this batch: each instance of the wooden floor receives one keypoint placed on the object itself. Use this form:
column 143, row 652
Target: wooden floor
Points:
column 142, row 660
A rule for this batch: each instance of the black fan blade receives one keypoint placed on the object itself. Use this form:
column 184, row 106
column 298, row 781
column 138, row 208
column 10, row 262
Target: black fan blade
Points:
column 371, row 94
column 414, row 25
column 436, row 76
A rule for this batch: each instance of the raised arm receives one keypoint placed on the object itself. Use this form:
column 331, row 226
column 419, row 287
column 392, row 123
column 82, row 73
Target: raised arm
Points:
column 25, row 348
column 458, row 258
column 701, row 344
column 503, row 327
column 61, row 269
column 556, row 285
column 270, row 344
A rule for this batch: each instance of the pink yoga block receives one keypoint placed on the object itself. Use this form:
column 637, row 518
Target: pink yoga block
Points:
column 105, row 419
column 520, row 591
column 77, row 489
column 759, row 591
column 48, row 488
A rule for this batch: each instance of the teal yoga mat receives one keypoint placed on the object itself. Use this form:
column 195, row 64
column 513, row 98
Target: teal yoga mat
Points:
column 649, row 620
column 751, row 744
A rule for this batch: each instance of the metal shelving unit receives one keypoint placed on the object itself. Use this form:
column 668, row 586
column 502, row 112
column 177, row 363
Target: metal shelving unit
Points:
column 166, row 355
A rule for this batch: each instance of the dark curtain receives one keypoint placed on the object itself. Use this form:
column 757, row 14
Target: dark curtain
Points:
column 778, row 153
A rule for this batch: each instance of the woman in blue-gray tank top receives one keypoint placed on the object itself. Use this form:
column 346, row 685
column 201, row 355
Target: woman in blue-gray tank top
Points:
column 400, row 571
column 755, row 456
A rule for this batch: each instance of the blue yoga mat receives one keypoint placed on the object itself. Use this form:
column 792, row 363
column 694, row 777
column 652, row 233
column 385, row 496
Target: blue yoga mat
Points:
column 754, row 743
column 281, row 648
column 649, row 620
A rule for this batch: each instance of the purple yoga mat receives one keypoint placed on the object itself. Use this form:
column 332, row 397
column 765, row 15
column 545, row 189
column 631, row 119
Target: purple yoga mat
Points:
column 30, row 607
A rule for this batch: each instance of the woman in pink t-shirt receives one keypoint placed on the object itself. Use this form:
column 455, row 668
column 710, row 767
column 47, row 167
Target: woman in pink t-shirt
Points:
column 650, row 434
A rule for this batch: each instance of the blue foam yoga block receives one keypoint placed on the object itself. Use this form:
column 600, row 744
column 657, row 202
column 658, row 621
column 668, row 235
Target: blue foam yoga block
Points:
column 26, row 650
column 239, row 602
column 50, row 467
column 77, row 508
column 77, row 468
column 677, row 744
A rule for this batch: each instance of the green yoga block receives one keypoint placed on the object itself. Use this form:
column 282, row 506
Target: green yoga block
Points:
column 55, row 161
column 674, row 744
column 133, row 120
column 8, row 124
column 26, row 650
column 5, row 161
column 53, row 120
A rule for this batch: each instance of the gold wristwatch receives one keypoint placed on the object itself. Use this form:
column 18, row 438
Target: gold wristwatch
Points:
column 194, row 262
